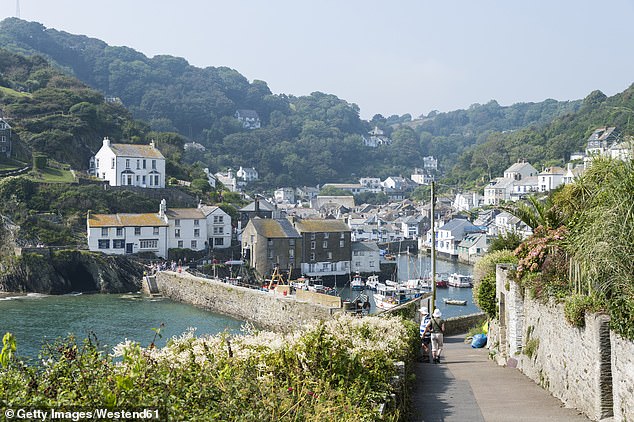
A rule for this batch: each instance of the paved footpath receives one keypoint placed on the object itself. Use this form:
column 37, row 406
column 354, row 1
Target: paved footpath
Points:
column 469, row 387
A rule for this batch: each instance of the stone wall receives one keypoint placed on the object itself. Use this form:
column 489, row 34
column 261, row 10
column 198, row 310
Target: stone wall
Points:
column 622, row 377
column 264, row 309
column 462, row 324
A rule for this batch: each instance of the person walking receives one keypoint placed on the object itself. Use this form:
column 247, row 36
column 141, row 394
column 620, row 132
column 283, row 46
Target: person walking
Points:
column 436, row 327
column 425, row 335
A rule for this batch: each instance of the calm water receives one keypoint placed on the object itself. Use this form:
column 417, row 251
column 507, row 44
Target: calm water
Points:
column 34, row 319
column 409, row 267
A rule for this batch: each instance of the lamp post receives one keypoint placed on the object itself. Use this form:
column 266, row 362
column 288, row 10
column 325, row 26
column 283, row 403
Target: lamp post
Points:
column 433, row 248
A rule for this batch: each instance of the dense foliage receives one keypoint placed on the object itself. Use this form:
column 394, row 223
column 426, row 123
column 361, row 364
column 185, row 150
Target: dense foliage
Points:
column 339, row 370
column 484, row 279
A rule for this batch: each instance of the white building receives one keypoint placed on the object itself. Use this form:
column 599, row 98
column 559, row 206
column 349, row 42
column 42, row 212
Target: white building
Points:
column 228, row 179
column 219, row 228
column 519, row 171
column 249, row 119
column 466, row 201
column 422, row 177
column 187, row 227
column 284, row 195
column 119, row 234
column 372, row 184
column 130, row 165
column 377, row 137
column 449, row 236
column 247, row 174
column 551, row 178
column 366, row 257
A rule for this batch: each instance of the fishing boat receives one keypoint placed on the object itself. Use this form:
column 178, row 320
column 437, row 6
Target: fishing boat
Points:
column 449, row 301
column 389, row 296
column 459, row 280
column 357, row 283
column 372, row 282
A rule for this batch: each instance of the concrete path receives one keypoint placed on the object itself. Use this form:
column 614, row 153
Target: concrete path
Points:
column 468, row 386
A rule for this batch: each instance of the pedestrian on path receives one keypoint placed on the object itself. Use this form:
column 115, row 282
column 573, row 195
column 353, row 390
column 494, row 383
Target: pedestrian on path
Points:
column 425, row 335
column 436, row 327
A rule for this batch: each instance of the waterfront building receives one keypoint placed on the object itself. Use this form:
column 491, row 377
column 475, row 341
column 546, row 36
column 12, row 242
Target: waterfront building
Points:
column 366, row 257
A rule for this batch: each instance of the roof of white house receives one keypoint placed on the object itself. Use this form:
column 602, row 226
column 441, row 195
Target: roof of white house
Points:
column 125, row 220
column 552, row 170
column 517, row 167
column 132, row 150
column 185, row 213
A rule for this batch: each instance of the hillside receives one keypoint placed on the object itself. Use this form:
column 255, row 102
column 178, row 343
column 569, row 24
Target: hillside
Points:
column 304, row 140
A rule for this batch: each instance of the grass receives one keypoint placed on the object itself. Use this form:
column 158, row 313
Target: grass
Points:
column 13, row 93
column 51, row 175
column 9, row 164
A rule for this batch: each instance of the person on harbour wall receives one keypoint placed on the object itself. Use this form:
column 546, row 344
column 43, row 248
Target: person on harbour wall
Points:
column 436, row 327
column 425, row 335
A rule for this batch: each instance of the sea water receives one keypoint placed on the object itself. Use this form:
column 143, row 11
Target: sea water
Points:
column 36, row 319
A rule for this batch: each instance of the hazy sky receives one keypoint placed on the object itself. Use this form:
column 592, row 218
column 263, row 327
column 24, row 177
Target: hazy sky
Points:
column 409, row 56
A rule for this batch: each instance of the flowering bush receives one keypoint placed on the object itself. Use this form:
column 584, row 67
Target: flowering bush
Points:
column 337, row 370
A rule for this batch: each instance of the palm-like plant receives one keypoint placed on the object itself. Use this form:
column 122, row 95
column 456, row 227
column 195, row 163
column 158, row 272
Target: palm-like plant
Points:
column 536, row 212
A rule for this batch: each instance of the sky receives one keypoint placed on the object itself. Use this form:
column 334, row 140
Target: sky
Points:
column 398, row 57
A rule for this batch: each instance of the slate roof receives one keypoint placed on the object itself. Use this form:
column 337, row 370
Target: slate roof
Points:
column 274, row 228
column 321, row 226
column 185, row 213
column 125, row 220
column 365, row 246
column 264, row 206
column 136, row 151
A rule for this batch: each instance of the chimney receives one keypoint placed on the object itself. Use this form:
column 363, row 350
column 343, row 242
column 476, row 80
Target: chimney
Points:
column 152, row 144
column 106, row 142
column 162, row 208
column 257, row 206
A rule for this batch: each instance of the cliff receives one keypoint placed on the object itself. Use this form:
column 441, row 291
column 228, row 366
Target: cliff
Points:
column 47, row 271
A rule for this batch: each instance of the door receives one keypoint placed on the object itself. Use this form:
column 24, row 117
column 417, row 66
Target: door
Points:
column 128, row 247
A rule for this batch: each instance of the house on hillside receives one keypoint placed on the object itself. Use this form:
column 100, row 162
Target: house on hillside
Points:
column 219, row 229
column 377, row 137
column 228, row 179
column 5, row 138
column 247, row 174
column 449, row 236
column 130, row 165
column 366, row 257
column 249, row 119
column 551, row 178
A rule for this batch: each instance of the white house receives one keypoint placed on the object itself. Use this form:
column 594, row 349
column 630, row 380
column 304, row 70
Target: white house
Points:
column 449, row 236
column 377, row 137
column 366, row 257
column 498, row 190
column 286, row 195
column 228, row 179
column 422, row 177
column 118, row 234
column 472, row 247
column 247, row 174
column 187, row 227
column 210, row 178
column 519, row 171
column 249, row 119
column 551, row 178
column 372, row 184
column 130, row 165
column 218, row 227
column 466, row 201
column 430, row 163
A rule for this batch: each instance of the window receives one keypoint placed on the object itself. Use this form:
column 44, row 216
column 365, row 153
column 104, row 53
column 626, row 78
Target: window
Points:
column 291, row 242
column 137, row 231
column 180, row 243
column 177, row 223
column 219, row 241
column 312, row 236
column 112, row 163
column 342, row 235
column 155, row 231
column 118, row 244
column 194, row 244
column 312, row 245
column 329, row 255
column 218, row 230
column 325, row 266
column 119, row 231
column 144, row 166
column 269, row 243
column 324, row 244
column 153, row 164
column 311, row 268
column 156, row 180
column 291, row 253
column 104, row 244
column 177, row 233
column 196, row 232
column 270, row 253
column 355, row 253
column 97, row 163
column 143, row 180
column 312, row 256
column 326, row 235
column 371, row 264
column 148, row 244
column 196, row 222
column 138, row 164
column 218, row 218
column 138, row 179
column 104, row 231
column 342, row 243
column 127, row 163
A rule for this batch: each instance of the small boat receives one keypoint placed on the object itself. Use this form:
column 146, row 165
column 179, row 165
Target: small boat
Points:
column 449, row 301
column 372, row 282
column 357, row 283
column 389, row 296
column 459, row 280
column 441, row 284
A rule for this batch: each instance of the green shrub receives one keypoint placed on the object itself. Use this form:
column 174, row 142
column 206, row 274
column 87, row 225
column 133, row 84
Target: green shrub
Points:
column 484, row 296
column 575, row 309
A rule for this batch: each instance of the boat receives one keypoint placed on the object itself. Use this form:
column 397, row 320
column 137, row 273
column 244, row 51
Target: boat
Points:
column 449, row 301
column 389, row 296
column 459, row 280
column 372, row 282
column 357, row 283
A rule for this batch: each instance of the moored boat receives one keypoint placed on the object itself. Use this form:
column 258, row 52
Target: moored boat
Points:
column 389, row 296
column 450, row 301
column 357, row 283
column 372, row 282
column 459, row 280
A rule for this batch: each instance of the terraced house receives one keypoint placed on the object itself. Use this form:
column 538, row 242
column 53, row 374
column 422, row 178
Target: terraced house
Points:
column 326, row 247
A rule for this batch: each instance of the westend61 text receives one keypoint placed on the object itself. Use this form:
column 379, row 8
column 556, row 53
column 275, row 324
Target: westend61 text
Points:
column 78, row 415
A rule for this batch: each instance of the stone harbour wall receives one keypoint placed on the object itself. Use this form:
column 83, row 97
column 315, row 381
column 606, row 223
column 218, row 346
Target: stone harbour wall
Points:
column 622, row 377
column 273, row 311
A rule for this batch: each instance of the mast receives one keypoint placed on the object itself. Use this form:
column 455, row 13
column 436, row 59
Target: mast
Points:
column 433, row 247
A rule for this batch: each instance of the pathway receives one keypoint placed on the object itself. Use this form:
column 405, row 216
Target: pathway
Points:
column 468, row 386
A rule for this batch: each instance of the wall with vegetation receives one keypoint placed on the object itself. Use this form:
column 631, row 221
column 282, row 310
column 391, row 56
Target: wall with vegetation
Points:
column 272, row 311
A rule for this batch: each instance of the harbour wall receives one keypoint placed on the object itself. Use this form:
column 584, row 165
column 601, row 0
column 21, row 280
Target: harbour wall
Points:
column 589, row 368
column 270, row 310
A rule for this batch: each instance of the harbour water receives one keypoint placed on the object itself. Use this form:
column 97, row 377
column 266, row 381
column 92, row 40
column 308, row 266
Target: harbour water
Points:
column 410, row 266
column 35, row 319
